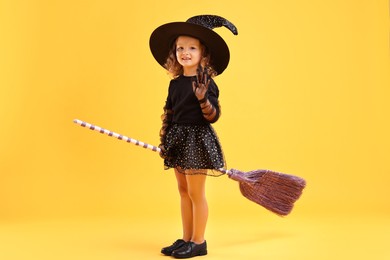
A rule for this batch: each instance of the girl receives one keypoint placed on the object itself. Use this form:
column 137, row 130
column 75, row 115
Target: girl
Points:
column 192, row 53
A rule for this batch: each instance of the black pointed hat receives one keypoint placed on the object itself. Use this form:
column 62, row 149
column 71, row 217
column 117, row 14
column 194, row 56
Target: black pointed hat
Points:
column 200, row 27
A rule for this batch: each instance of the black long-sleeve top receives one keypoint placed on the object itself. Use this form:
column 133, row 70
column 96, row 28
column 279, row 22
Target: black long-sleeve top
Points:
column 185, row 105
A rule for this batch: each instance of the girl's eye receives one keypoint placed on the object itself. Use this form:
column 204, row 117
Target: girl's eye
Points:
column 179, row 48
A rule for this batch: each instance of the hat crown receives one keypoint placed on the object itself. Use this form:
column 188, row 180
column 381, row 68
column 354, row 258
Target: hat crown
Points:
column 212, row 21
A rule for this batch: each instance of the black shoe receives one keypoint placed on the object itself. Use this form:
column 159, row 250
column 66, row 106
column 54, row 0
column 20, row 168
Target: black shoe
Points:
column 190, row 249
column 176, row 245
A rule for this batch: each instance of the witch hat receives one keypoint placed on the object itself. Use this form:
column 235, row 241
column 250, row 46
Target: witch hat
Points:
column 200, row 27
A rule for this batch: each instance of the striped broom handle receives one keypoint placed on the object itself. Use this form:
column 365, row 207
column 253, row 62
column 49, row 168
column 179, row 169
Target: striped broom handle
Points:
column 126, row 138
column 116, row 135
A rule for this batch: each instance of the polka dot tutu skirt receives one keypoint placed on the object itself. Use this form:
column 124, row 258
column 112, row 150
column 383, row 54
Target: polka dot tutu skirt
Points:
column 192, row 149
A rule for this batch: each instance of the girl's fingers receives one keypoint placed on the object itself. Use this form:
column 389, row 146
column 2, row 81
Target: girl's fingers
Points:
column 194, row 85
column 201, row 82
column 199, row 74
column 207, row 84
column 205, row 75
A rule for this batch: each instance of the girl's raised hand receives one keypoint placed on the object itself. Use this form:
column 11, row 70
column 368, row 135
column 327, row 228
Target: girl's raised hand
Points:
column 201, row 84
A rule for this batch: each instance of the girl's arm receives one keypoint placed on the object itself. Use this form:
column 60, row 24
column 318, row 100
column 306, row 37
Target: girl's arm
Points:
column 210, row 112
column 166, row 119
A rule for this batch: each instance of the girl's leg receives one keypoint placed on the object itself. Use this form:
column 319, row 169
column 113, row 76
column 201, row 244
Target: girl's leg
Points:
column 185, row 205
column 197, row 193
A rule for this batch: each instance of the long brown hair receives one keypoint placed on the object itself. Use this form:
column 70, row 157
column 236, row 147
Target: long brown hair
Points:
column 175, row 69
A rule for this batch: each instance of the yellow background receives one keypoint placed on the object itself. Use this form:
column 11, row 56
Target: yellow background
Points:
column 306, row 93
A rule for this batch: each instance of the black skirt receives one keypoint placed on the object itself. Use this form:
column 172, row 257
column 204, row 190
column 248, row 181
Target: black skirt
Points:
column 192, row 149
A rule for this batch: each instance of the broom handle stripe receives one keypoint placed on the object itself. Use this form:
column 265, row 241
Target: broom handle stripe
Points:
column 116, row 135
column 128, row 139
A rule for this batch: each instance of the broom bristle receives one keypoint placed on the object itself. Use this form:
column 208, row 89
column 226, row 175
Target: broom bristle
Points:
column 275, row 191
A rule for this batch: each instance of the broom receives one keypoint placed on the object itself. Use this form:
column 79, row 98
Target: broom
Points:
column 274, row 191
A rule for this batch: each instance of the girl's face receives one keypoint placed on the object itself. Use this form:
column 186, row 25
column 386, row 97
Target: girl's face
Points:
column 188, row 54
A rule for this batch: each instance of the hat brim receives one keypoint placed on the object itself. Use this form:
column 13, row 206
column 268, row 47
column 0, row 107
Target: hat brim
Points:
column 163, row 37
